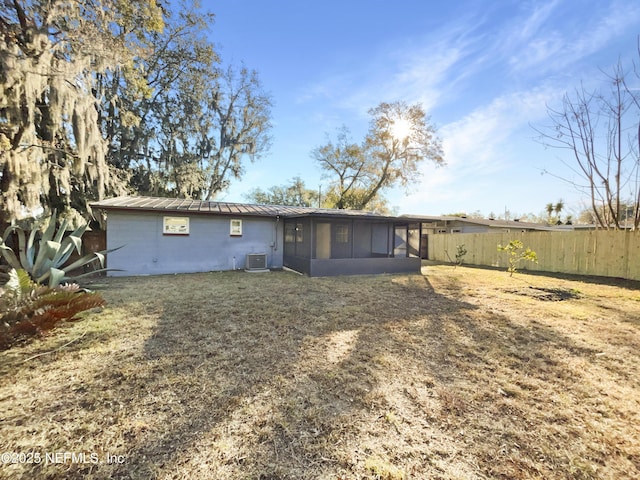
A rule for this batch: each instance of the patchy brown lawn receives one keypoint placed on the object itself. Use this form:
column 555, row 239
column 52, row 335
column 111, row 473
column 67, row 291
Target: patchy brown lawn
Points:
column 454, row 374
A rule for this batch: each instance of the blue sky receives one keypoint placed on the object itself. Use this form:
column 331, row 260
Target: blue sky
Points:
column 483, row 70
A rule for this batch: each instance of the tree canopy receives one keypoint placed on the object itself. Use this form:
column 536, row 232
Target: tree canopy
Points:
column 50, row 56
column 295, row 193
column 400, row 138
column 108, row 97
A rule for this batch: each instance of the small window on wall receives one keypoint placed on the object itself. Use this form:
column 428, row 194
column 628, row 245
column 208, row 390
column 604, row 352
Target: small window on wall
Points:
column 175, row 225
column 299, row 233
column 235, row 228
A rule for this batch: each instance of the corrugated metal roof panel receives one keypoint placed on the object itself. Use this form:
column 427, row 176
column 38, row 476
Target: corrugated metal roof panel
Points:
column 224, row 208
column 482, row 221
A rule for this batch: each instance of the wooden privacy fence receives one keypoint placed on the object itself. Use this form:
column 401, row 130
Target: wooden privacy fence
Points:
column 594, row 252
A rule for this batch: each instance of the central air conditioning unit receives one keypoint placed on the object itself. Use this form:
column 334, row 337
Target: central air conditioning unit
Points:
column 256, row 261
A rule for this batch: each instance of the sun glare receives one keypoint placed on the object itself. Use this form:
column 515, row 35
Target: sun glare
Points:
column 400, row 129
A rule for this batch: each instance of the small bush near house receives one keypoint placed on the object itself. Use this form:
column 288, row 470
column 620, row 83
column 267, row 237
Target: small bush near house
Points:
column 517, row 253
column 461, row 251
column 28, row 309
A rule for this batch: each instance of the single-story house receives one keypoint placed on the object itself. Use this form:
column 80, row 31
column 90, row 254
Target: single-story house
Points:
column 462, row 224
column 165, row 235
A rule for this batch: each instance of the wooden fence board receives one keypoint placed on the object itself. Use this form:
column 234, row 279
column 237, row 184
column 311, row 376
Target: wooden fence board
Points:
column 602, row 253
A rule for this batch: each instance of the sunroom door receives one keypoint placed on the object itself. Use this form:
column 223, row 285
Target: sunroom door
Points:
column 400, row 241
column 323, row 240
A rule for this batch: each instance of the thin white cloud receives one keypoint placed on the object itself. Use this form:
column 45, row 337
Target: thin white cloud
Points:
column 478, row 136
column 420, row 69
column 619, row 17
column 542, row 44
column 430, row 73
column 477, row 147
column 533, row 23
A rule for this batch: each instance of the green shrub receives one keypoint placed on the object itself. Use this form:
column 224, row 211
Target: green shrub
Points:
column 517, row 253
column 28, row 309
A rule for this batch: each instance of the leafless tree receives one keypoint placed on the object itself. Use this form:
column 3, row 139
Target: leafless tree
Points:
column 599, row 130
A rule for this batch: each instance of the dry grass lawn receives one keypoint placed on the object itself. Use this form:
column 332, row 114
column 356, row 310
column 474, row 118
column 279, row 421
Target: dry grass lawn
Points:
column 454, row 374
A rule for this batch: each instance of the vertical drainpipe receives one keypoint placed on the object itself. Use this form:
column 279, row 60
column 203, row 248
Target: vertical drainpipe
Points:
column 275, row 233
column 274, row 244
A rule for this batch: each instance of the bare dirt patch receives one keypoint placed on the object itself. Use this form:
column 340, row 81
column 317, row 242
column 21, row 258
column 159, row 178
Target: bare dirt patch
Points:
column 450, row 374
column 546, row 294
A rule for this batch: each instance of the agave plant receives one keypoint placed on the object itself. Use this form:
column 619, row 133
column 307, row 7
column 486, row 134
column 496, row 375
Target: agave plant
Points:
column 44, row 258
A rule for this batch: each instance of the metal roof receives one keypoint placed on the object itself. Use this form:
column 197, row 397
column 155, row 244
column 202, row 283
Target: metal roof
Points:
column 177, row 205
column 493, row 223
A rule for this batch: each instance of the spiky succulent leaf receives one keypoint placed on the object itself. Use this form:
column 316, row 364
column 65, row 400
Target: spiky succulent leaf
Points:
column 60, row 233
column 8, row 254
column 6, row 251
column 69, row 244
column 85, row 260
column 29, row 251
column 46, row 253
column 23, row 246
column 45, row 257
column 49, row 231
column 55, row 277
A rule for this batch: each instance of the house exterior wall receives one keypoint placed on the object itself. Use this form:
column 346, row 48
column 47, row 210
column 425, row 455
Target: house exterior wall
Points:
column 208, row 246
column 470, row 228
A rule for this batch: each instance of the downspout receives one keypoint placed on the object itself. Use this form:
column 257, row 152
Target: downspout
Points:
column 274, row 244
column 275, row 232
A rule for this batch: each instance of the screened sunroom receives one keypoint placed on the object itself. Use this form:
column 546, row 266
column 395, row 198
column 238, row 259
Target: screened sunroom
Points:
column 350, row 244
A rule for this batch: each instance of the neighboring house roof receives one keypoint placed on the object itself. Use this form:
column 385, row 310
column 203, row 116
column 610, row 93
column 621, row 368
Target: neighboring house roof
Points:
column 176, row 205
column 484, row 221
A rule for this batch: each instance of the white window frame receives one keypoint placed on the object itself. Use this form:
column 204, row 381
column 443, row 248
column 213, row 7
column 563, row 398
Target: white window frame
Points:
column 235, row 227
column 175, row 225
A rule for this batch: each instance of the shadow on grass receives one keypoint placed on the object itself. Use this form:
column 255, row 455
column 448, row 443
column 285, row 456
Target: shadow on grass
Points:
column 278, row 379
column 249, row 370
column 523, row 271
column 287, row 377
